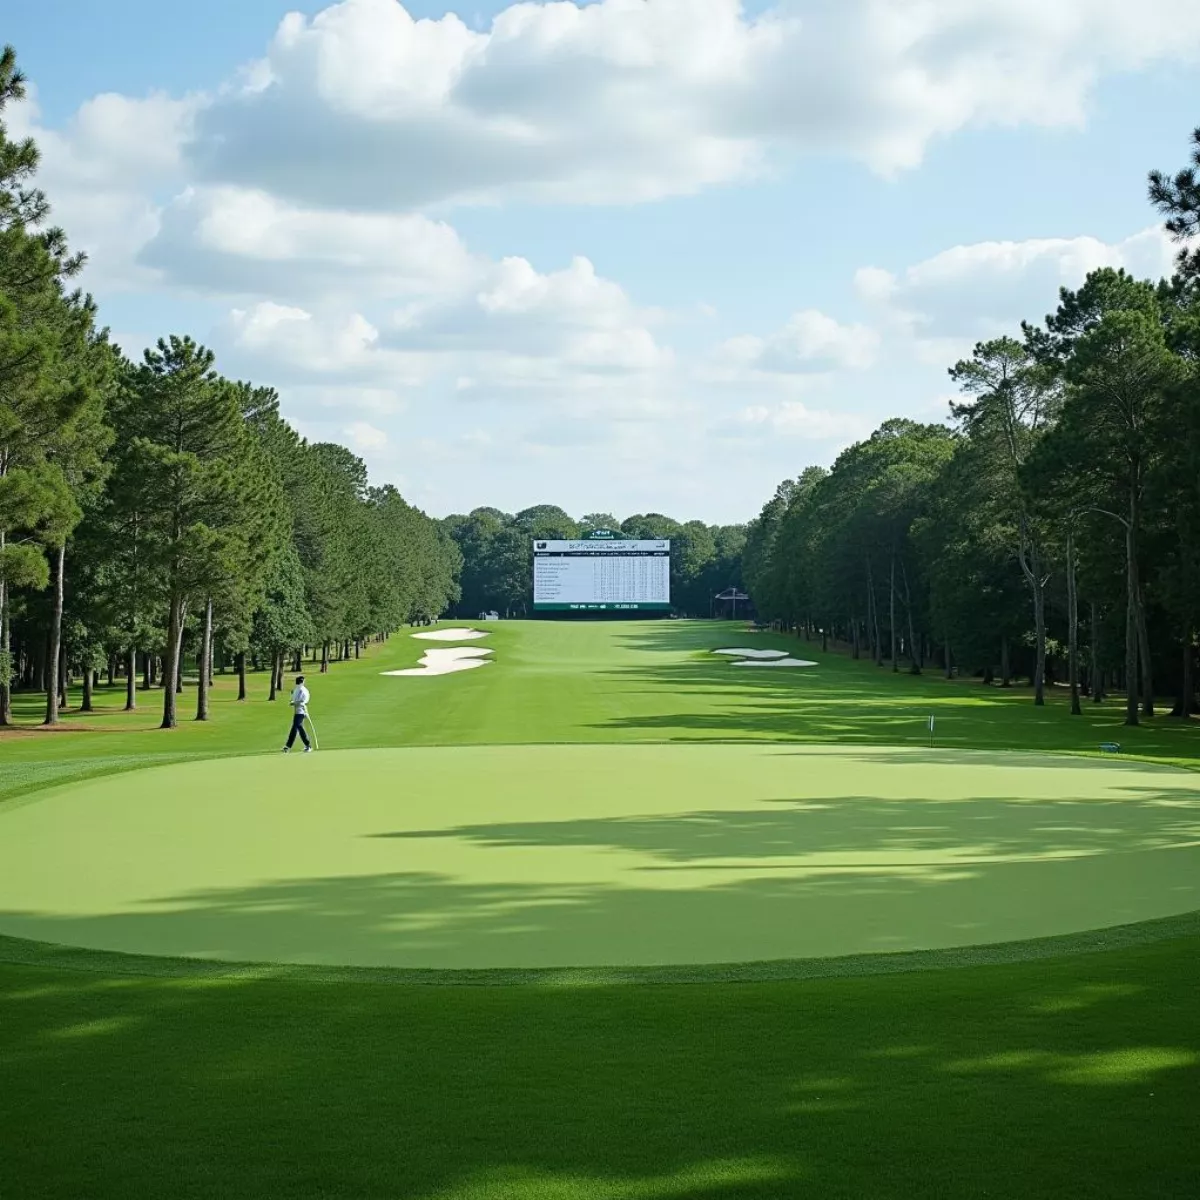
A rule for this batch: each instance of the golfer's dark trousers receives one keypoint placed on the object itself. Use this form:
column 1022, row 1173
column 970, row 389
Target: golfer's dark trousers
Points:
column 297, row 728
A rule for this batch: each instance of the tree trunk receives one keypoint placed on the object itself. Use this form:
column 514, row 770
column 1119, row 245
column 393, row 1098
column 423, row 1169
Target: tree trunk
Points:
column 913, row 652
column 89, row 683
column 357, row 648
column 892, row 613
column 947, row 665
column 171, row 658
column 1187, row 686
column 1072, row 627
column 204, row 666
column 873, row 618
column 1005, row 669
column 324, row 657
column 52, row 680
column 1039, row 626
column 1147, row 667
column 1131, row 626
column 274, row 675
column 241, row 671
column 131, row 681
column 6, row 665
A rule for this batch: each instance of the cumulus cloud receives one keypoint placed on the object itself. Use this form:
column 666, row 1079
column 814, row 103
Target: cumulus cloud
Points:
column 794, row 419
column 810, row 342
column 292, row 344
column 624, row 100
column 363, row 436
column 510, row 327
column 309, row 193
column 232, row 240
column 102, row 171
column 531, row 325
column 986, row 289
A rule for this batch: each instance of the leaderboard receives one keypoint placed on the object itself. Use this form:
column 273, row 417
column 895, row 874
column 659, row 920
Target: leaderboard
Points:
column 599, row 575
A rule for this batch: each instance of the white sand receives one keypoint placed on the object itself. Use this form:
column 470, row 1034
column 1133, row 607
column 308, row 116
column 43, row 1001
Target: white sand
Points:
column 754, row 653
column 774, row 662
column 451, row 635
column 445, row 662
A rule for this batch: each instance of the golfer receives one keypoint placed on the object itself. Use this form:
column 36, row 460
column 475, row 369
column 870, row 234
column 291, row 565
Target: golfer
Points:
column 299, row 703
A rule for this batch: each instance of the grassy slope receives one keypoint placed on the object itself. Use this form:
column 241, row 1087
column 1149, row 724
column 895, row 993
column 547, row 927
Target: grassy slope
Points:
column 1073, row 1076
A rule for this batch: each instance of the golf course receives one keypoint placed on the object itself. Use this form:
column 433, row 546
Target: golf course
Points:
column 726, row 931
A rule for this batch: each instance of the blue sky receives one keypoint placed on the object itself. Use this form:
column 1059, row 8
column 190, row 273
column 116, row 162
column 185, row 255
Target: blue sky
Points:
column 655, row 256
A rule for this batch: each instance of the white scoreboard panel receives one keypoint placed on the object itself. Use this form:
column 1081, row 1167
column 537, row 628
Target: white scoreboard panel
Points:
column 599, row 575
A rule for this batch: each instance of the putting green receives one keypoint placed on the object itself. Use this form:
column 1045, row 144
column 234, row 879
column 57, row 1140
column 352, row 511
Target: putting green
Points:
column 554, row 856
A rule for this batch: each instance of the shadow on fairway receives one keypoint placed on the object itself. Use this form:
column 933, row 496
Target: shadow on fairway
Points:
column 1069, row 1078
column 852, row 701
column 846, row 703
column 862, row 876
column 864, row 827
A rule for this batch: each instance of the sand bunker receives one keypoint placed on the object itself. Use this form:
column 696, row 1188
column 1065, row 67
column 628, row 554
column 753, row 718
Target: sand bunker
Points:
column 774, row 662
column 451, row 635
column 445, row 662
column 739, row 653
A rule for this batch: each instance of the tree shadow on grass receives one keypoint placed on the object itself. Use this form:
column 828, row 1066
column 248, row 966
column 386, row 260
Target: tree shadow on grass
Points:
column 844, row 699
column 1015, row 758
column 862, row 828
column 801, row 880
column 1072, row 1077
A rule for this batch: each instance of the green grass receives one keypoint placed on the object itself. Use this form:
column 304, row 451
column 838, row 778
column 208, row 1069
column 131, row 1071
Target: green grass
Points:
column 607, row 682
column 1074, row 1074
column 578, row 856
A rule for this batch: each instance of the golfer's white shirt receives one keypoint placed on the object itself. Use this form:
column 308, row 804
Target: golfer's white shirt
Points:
column 300, row 700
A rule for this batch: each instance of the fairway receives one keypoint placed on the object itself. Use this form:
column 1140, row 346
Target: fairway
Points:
column 684, row 882
column 574, row 856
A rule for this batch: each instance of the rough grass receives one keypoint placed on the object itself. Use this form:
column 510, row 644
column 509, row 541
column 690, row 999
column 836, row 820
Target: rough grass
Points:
column 1072, row 1075
column 1076, row 1077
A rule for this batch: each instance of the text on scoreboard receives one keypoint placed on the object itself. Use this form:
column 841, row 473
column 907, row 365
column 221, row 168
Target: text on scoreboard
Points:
column 593, row 574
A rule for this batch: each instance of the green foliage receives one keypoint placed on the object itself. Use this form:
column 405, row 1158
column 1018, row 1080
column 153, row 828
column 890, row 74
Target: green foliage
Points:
column 496, row 559
column 1178, row 199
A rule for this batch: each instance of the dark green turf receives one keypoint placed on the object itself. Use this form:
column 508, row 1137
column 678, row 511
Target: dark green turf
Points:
column 1076, row 1077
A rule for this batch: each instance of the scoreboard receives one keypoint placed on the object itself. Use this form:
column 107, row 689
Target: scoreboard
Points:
column 578, row 576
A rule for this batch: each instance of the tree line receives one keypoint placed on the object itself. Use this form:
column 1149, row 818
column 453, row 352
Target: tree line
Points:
column 1052, row 526
column 156, row 509
column 496, row 549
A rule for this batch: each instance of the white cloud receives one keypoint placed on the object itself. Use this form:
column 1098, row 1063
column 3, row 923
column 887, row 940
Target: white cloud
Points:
column 809, row 342
column 626, row 100
column 292, row 344
column 308, row 195
column 528, row 327
column 794, row 419
column 239, row 241
column 510, row 328
column 101, row 171
column 986, row 289
column 362, row 436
